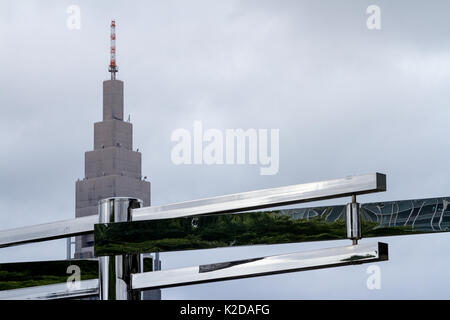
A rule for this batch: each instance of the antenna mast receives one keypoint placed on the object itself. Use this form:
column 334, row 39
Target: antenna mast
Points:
column 112, row 64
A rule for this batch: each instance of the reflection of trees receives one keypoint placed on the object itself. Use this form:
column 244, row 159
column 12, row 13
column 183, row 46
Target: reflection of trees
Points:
column 29, row 274
column 225, row 230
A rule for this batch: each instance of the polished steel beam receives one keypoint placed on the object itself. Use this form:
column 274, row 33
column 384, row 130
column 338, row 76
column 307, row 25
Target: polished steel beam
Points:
column 378, row 219
column 307, row 192
column 264, row 227
column 18, row 275
column 48, row 231
column 301, row 261
column 87, row 288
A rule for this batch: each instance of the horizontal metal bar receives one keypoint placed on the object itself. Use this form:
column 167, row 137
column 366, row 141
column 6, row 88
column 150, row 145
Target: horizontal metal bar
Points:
column 302, row 261
column 265, row 198
column 16, row 275
column 48, row 231
column 86, row 288
column 265, row 227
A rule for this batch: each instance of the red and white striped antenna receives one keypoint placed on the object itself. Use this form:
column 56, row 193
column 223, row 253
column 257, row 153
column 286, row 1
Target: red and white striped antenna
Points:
column 112, row 64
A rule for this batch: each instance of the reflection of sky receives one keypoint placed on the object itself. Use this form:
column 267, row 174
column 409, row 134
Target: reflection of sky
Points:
column 284, row 262
column 347, row 101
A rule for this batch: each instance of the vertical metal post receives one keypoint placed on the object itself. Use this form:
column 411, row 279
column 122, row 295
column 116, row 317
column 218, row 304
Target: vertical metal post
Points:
column 157, row 263
column 115, row 271
column 69, row 248
column 353, row 221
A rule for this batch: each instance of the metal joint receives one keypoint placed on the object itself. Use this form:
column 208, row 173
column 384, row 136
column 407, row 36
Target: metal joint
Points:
column 353, row 220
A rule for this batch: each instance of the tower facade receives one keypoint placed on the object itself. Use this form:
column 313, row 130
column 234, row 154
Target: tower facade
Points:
column 112, row 169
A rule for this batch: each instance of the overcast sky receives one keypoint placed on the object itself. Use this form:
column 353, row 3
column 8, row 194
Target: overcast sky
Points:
column 347, row 101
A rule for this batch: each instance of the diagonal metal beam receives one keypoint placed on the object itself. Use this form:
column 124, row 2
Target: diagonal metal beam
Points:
column 277, row 264
column 48, row 231
column 266, row 198
column 301, row 261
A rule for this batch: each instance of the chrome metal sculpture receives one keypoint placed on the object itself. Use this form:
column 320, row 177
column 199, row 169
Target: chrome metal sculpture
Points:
column 120, row 270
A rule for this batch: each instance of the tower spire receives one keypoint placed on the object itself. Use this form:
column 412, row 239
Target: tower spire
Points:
column 112, row 64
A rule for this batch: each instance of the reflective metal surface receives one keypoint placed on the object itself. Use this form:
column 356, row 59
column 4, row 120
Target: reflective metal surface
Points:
column 198, row 230
column 301, row 261
column 353, row 220
column 87, row 288
column 48, row 279
column 229, row 203
column 250, row 228
column 47, row 231
column 30, row 274
column 426, row 215
column 115, row 271
column 259, row 199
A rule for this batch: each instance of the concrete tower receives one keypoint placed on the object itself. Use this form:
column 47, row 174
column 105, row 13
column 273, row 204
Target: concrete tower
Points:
column 112, row 169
